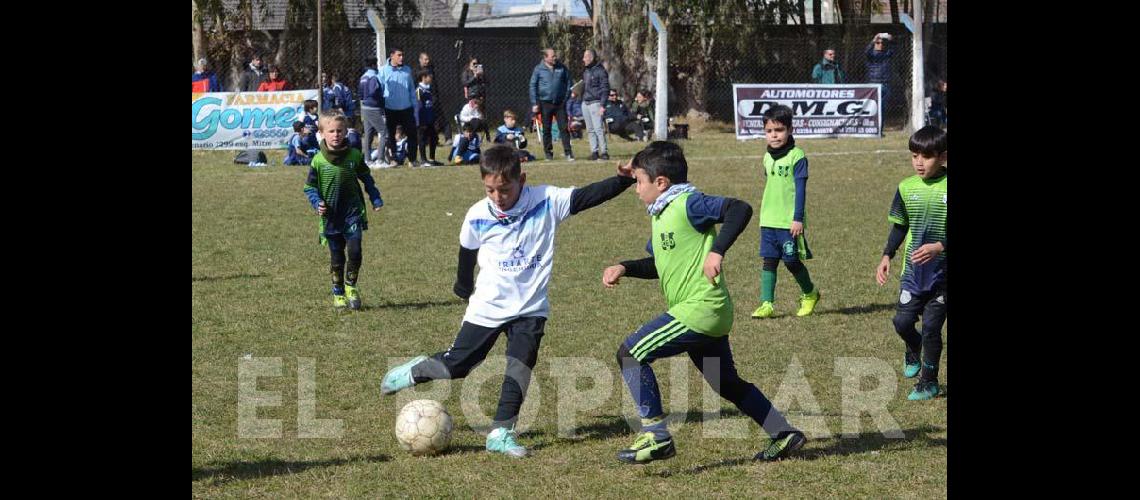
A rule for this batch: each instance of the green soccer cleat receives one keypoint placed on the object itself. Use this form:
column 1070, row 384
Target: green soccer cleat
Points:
column 764, row 311
column 924, row 391
column 646, row 449
column 400, row 377
column 911, row 364
column 807, row 302
column 502, row 440
column 780, row 447
column 353, row 295
column 340, row 302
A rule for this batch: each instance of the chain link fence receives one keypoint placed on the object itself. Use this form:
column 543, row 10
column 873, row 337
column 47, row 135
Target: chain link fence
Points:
column 783, row 54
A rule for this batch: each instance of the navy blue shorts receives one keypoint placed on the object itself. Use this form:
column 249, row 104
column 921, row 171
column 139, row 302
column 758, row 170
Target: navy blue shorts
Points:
column 351, row 229
column 779, row 244
column 664, row 336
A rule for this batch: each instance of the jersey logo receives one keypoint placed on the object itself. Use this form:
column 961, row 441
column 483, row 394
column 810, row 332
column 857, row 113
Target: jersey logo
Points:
column 518, row 253
column 914, row 197
column 667, row 241
column 944, row 198
column 789, row 248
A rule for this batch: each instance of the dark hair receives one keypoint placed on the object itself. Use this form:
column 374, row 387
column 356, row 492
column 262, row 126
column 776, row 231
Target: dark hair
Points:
column 928, row 141
column 662, row 158
column 501, row 160
column 467, row 127
column 273, row 68
column 298, row 126
column 310, row 104
column 394, row 50
column 369, row 62
column 645, row 93
column 400, row 130
column 781, row 114
column 421, row 74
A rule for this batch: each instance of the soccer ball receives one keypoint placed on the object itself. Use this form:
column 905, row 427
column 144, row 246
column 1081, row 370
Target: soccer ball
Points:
column 423, row 427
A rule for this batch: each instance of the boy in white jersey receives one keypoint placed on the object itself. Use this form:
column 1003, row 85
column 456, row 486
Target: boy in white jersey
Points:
column 510, row 233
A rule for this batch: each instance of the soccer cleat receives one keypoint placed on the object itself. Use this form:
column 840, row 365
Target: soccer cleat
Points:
column 594, row 156
column 764, row 311
column 569, row 157
column 605, row 156
column 780, row 447
column 502, row 440
column 923, row 391
column 646, row 449
column 549, row 156
column 426, row 164
column 400, row 377
column 458, row 160
column 339, row 301
column 807, row 302
column 353, row 295
column 911, row 364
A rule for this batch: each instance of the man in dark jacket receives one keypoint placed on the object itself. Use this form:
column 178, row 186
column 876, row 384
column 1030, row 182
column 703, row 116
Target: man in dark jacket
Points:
column 253, row 75
column 879, row 66
column 595, row 88
column 549, row 90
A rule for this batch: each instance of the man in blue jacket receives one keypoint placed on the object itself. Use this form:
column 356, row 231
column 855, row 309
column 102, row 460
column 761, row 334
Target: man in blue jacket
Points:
column 372, row 113
column 399, row 99
column 549, row 90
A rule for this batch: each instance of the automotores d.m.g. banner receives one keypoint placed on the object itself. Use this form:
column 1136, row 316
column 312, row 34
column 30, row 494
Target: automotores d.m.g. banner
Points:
column 818, row 110
column 246, row 120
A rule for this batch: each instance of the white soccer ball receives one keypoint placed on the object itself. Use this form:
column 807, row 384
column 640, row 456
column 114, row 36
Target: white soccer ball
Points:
column 423, row 427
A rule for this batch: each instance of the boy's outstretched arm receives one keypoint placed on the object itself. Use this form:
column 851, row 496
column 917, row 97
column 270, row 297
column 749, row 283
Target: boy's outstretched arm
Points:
column 465, row 274
column 602, row 191
column 734, row 217
column 894, row 240
column 899, row 224
column 365, row 176
column 311, row 189
column 640, row 268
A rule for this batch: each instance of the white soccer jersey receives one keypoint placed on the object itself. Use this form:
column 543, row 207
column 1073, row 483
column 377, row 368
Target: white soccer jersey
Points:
column 514, row 259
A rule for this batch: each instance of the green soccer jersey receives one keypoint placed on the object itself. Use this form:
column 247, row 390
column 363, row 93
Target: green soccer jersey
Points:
column 779, row 202
column 921, row 206
column 338, row 187
column 679, row 253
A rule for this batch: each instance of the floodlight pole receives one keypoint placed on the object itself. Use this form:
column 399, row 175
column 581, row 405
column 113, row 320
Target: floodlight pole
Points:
column 661, row 127
column 917, row 74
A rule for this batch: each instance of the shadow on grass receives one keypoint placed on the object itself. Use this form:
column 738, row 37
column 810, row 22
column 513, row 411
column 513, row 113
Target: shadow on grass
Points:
column 464, row 449
column 837, row 446
column 614, row 426
column 867, row 309
column 411, row 305
column 227, row 277
column 223, row 473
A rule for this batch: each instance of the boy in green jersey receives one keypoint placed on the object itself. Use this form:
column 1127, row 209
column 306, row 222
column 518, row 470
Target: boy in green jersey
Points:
column 782, row 214
column 918, row 214
column 333, row 192
column 686, row 256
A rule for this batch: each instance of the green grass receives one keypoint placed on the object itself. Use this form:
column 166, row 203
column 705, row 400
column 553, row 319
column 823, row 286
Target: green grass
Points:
column 260, row 288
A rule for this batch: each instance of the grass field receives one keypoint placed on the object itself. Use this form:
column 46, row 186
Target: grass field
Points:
column 260, row 290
